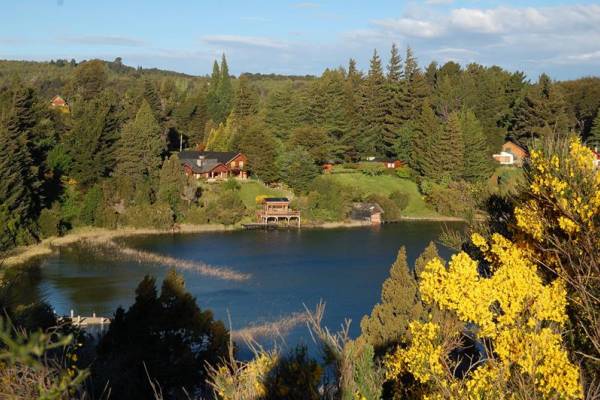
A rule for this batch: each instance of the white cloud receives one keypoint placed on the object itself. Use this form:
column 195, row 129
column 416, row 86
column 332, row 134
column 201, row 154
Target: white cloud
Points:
column 412, row 27
column 243, row 41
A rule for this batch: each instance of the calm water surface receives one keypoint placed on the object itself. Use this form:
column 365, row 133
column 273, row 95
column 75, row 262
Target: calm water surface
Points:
column 343, row 267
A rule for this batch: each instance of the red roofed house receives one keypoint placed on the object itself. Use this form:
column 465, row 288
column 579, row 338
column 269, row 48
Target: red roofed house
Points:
column 59, row 102
column 512, row 153
column 214, row 165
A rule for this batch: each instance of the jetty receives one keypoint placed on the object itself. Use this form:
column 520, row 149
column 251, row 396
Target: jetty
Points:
column 84, row 322
column 277, row 211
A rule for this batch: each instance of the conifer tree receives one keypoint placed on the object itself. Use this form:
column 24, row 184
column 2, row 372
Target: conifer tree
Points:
column 279, row 111
column 314, row 140
column 224, row 91
column 140, row 147
column 394, row 103
column 449, row 150
column 477, row 162
column 416, row 86
column 222, row 137
column 593, row 139
column 153, row 99
column 331, row 112
column 373, row 109
column 17, row 197
column 172, row 183
column 425, row 143
column 541, row 113
column 246, row 99
column 351, row 139
column 212, row 98
column 261, row 148
column 400, row 304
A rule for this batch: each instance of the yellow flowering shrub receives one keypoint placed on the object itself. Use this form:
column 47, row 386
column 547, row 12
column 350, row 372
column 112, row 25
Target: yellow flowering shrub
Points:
column 512, row 311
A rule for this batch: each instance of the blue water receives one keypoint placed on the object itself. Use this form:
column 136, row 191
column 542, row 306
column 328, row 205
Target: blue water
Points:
column 289, row 268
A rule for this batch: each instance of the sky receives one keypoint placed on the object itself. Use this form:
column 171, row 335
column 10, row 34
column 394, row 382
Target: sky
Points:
column 561, row 38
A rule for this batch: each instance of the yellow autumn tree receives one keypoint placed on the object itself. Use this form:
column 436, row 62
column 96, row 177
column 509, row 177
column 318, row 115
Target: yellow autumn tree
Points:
column 515, row 316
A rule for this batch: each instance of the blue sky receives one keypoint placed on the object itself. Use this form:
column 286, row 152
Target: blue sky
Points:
column 305, row 37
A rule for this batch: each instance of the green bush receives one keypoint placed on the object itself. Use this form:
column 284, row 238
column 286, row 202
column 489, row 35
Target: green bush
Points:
column 391, row 212
column 372, row 168
column 295, row 376
column 453, row 200
column 231, row 184
column 401, row 199
column 92, row 201
column 227, row 209
column 195, row 215
column 159, row 216
column 49, row 222
column 328, row 200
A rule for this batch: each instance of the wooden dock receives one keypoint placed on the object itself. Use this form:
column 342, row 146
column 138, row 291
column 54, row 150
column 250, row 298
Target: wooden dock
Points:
column 261, row 225
column 85, row 321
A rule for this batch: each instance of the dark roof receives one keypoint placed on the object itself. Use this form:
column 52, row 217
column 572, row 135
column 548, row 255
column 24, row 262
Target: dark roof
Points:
column 364, row 211
column 221, row 156
column 275, row 199
column 207, row 165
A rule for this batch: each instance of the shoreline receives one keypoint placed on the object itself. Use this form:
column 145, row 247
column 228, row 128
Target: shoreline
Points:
column 48, row 246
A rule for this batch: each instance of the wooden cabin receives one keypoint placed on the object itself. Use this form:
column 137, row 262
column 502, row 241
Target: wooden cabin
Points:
column 214, row 165
column 59, row 103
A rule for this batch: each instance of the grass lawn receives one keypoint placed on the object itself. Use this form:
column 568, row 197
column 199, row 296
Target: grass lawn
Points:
column 250, row 189
column 386, row 184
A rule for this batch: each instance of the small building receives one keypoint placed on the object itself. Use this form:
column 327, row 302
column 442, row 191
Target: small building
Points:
column 512, row 153
column 390, row 163
column 59, row 103
column 596, row 158
column 276, row 210
column 327, row 168
column 214, row 165
column 371, row 212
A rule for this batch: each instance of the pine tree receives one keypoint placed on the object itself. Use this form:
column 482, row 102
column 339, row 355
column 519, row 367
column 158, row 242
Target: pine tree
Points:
column 246, row 99
column 477, row 162
column 153, row 99
column 373, row 109
column 140, row 147
column 314, row 140
column 224, row 92
column 332, row 113
column 542, row 113
column 351, row 139
column 172, row 183
column 222, row 137
column 449, row 150
column 92, row 140
column 593, row 139
column 258, row 144
column 394, row 103
column 17, row 197
column 416, row 86
column 425, row 143
column 279, row 116
column 212, row 99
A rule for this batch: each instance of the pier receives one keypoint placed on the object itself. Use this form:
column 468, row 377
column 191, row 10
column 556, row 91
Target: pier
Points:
column 277, row 211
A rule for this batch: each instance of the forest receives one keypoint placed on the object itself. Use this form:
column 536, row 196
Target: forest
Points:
column 108, row 158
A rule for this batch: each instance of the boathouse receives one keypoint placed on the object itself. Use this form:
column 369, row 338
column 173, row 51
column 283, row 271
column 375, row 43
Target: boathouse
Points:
column 277, row 210
column 370, row 212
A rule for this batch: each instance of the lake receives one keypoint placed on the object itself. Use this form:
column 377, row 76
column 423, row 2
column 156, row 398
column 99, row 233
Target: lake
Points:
column 287, row 268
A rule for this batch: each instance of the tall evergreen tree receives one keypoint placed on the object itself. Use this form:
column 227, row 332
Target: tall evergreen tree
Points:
column 477, row 162
column 298, row 169
column 542, row 113
column 172, row 183
column 212, row 99
column 425, row 143
column 351, row 139
column 261, row 148
column 91, row 142
column 593, row 139
column 140, row 147
column 246, row 99
column 152, row 97
column 416, row 86
column 279, row 116
column 449, row 151
column 394, row 103
column 373, row 109
column 224, row 91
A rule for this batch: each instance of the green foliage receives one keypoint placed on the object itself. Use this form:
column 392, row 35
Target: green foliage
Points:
column 391, row 212
column 314, row 140
column 298, row 169
column 295, row 376
column 158, row 215
column 477, row 163
column 401, row 199
column 92, row 202
column 49, row 222
column 450, row 147
column 140, row 147
column 261, row 148
column 181, row 336
column 246, row 100
column 90, row 78
column 172, row 184
column 455, row 199
column 328, row 200
column 227, row 209
column 593, row 139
